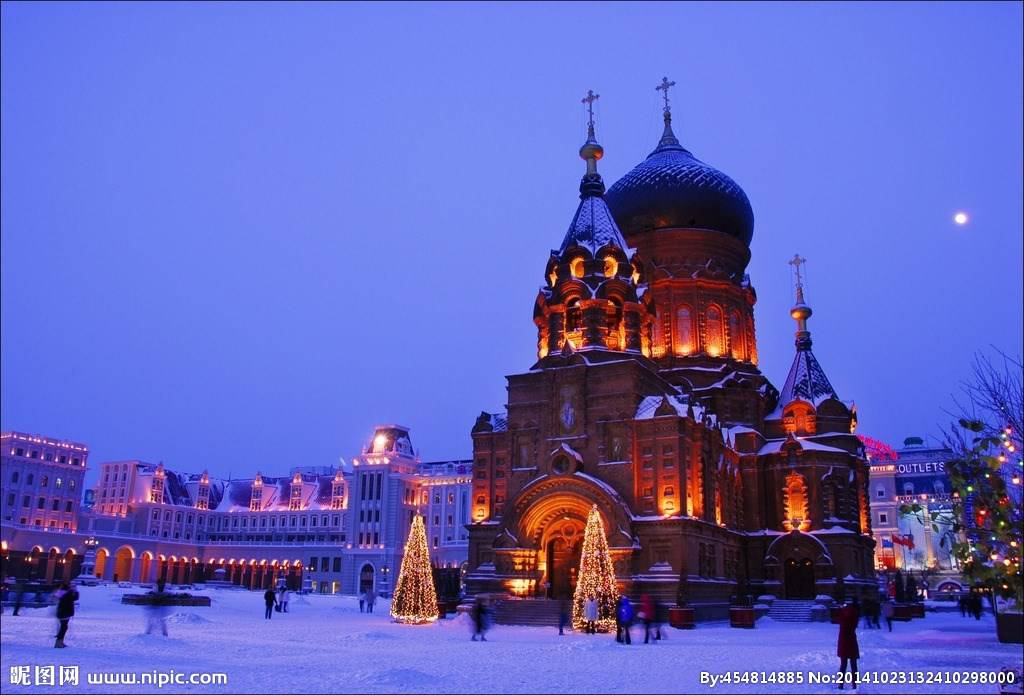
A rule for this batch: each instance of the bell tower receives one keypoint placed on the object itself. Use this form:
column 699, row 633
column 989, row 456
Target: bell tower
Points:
column 592, row 298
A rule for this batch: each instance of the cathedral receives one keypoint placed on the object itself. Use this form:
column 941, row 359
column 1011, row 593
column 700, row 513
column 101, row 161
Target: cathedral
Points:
column 646, row 400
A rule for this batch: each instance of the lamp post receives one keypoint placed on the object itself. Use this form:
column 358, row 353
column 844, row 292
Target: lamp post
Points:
column 89, row 560
column 384, row 569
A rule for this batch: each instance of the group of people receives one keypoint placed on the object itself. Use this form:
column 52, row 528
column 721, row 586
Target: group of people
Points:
column 366, row 600
column 276, row 601
column 872, row 610
column 970, row 605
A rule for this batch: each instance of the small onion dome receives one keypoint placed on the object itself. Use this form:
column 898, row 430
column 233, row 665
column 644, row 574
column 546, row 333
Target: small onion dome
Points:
column 591, row 150
column 801, row 312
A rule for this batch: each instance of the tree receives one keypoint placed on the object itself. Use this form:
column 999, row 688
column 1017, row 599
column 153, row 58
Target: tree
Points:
column 596, row 576
column 415, row 599
column 985, row 472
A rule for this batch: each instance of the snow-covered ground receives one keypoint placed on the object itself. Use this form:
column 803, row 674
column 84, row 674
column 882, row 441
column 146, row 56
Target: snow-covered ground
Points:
column 325, row 645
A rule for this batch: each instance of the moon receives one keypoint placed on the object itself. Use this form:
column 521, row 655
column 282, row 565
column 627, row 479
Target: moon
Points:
column 961, row 218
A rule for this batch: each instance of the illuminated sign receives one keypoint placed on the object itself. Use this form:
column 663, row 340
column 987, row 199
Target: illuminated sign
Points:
column 911, row 468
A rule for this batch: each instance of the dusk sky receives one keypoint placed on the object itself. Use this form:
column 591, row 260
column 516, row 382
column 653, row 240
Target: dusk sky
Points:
column 237, row 236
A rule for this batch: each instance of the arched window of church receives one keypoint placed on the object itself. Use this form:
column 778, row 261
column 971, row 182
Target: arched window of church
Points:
column 736, row 339
column 576, row 267
column 616, row 334
column 685, row 344
column 715, row 332
column 611, row 266
column 657, row 337
column 572, row 316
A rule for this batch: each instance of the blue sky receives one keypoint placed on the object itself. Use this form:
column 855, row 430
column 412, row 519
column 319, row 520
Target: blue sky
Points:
column 235, row 236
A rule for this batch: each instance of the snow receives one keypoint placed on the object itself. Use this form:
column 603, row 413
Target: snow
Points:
column 325, row 645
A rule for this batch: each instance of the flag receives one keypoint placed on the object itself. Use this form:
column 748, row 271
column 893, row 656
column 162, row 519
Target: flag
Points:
column 908, row 540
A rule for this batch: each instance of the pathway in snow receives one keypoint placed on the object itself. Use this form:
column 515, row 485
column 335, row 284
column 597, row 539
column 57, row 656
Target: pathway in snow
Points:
column 325, row 645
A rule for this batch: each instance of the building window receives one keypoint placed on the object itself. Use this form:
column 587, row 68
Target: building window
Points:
column 648, row 492
column 883, row 518
column 684, row 331
column 30, row 479
column 56, row 505
column 14, row 476
column 336, row 566
column 668, row 464
column 736, row 334
column 41, row 503
column 68, row 506
column 71, row 484
column 435, row 541
column 908, row 488
column 670, row 491
column 713, row 332
column 59, row 483
column 44, row 481
column 880, row 491
column 10, row 499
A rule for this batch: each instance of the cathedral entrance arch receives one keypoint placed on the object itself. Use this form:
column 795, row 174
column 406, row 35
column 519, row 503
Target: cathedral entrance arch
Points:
column 799, row 576
column 562, row 547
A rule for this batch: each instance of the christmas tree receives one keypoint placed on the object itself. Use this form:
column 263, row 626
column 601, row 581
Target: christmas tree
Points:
column 596, row 577
column 415, row 600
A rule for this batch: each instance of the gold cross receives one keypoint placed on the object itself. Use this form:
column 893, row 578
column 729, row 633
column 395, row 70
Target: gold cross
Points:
column 589, row 101
column 796, row 262
column 663, row 87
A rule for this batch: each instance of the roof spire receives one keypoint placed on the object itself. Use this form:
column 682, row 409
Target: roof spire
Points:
column 668, row 138
column 591, row 151
column 800, row 311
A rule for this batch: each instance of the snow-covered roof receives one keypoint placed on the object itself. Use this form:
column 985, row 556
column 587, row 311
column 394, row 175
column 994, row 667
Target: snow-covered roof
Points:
column 775, row 446
column 806, row 382
column 593, row 227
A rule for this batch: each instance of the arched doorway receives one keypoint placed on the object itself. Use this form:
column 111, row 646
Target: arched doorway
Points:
column 799, row 577
column 145, row 573
column 102, row 555
column 123, row 564
column 365, row 578
column 563, row 544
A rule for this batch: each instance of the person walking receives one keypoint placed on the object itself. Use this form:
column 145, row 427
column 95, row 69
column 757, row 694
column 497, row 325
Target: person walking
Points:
column 563, row 615
column 65, row 611
column 889, row 610
column 847, row 648
column 157, row 609
column 286, row 596
column 623, row 618
column 19, row 597
column 269, row 598
column 590, row 614
column 362, row 602
column 371, row 598
column 647, row 616
column 962, row 604
column 479, row 619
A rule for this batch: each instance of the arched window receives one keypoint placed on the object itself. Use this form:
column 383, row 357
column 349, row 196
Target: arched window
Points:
column 736, row 339
column 715, row 334
column 576, row 267
column 685, row 344
column 616, row 332
column 611, row 266
column 572, row 316
column 481, row 499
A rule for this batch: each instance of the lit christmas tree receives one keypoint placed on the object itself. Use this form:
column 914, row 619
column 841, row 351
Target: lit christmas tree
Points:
column 415, row 600
column 596, row 577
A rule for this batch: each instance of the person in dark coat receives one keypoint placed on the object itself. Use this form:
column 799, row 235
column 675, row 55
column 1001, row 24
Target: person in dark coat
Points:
column 65, row 611
column 19, row 597
column 563, row 615
column 270, row 598
column 847, row 649
column 962, row 604
column 623, row 618
column 479, row 619
column 890, row 611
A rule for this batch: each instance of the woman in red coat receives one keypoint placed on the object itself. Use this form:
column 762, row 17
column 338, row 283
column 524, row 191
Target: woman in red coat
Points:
column 847, row 650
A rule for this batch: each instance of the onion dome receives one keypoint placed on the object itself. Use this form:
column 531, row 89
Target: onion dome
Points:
column 672, row 188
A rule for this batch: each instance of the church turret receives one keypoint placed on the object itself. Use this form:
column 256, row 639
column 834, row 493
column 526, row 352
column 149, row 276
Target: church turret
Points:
column 592, row 300
column 808, row 403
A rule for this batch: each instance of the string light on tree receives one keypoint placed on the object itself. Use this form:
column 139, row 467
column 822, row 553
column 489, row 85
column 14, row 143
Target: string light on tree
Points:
column 596, row 576
column 415, row 599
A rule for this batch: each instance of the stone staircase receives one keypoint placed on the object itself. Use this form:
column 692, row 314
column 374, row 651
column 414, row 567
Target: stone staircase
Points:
column 791, row 611
column 536, row 611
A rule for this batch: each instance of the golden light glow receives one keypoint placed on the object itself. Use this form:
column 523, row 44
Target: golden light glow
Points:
column 596, row 576
column 415, row 600
column 576, row 267
column 379, row 442
column 611, row 266
column 795, row 501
